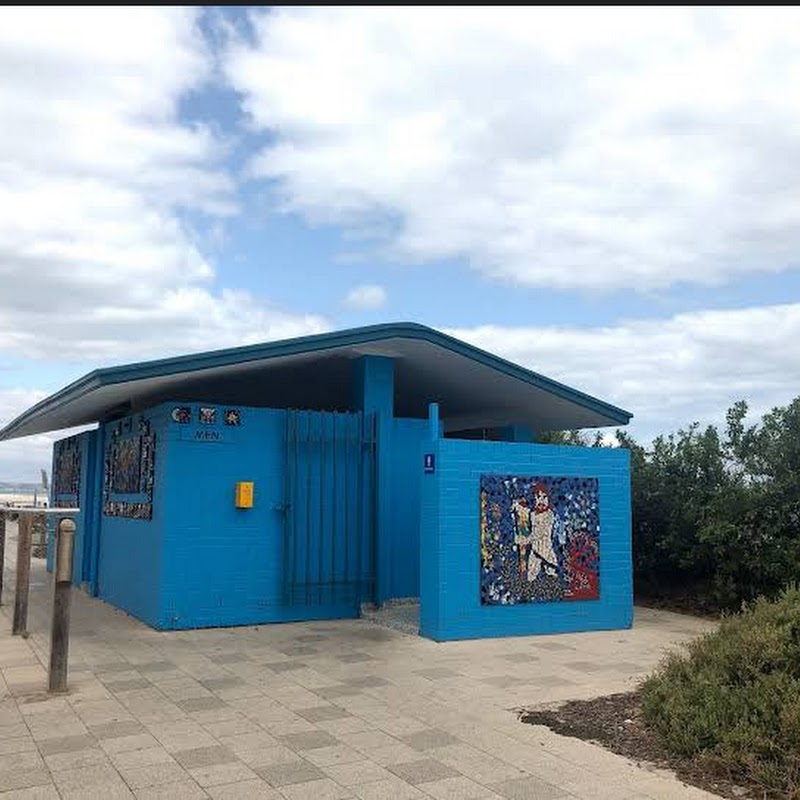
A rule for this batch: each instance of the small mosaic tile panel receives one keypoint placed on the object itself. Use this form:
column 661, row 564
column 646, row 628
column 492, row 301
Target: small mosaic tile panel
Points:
column 208, row 416
column 181, row 414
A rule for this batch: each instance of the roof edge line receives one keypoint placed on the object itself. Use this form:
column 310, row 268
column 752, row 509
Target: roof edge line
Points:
column 143, row 370
column 541, row 381
column 110, row 376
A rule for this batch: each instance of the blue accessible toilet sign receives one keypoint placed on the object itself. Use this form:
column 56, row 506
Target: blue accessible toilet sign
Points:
column 429, row 463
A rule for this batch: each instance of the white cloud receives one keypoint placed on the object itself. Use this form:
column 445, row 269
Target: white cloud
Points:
column 599, row 148
column 185, row 319
column 21, row 460
column 368, row 297
column 667, row 372
column 98, row 177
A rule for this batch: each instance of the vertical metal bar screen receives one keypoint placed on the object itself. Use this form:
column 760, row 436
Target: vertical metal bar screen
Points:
column 329, row 531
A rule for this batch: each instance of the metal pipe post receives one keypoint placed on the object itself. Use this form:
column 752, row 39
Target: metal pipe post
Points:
column 2, row 551
column 62, row 594
column 20, row 624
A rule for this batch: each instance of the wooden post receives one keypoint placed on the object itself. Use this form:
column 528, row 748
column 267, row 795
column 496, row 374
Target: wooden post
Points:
column 62, row 594
column 2, row 551
column 20, row 625
column 39, row 535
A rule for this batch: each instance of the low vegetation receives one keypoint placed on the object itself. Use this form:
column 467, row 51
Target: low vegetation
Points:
column 716, row 526
column 733, row 699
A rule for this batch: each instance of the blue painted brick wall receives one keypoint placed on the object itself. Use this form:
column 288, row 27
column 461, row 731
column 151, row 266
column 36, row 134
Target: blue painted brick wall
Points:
column 450, row 540
column 222, row 565
column 130, row 550
column 404, row 510
column 202, row 562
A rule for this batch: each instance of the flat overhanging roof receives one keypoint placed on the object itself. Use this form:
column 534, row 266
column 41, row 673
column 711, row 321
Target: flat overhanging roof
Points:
column 474, row 388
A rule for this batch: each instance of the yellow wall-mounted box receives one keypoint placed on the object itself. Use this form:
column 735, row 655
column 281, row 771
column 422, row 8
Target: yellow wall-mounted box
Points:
column 244, row 494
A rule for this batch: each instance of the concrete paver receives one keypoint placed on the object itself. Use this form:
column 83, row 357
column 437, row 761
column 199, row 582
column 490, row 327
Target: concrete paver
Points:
column 33, row 793
column 422, row 771
column 338, row 709
column 179, row 790
column 245, row 790
column 291, row 772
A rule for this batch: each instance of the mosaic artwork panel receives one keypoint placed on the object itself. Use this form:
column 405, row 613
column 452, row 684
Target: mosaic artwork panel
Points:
column 129, row 468
column 540, row 539
column 233, row 416
column 208, row 416
column 67, row 478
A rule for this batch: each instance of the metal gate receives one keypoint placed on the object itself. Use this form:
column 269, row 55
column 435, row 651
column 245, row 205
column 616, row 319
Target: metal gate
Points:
column 329, row 536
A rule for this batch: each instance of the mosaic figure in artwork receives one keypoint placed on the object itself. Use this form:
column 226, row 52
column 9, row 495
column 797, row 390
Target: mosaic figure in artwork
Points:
column 523, row 535
column 540, row 539
column 543, row 554
column 484, row 527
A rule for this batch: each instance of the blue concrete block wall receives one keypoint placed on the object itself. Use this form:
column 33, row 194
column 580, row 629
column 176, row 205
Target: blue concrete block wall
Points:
column 223, row 564
column 403, row 552
column 130, row 551
column 202, row 562
column 450, row 540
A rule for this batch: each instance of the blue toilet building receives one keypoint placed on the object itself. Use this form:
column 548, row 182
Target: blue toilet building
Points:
column 297, row 480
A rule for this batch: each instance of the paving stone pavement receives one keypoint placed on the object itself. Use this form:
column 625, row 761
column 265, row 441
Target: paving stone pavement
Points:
column 339, row 709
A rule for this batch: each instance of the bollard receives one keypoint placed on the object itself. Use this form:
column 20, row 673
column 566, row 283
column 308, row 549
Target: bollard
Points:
column 2, row 551
column 20, row 624
column 62, row 594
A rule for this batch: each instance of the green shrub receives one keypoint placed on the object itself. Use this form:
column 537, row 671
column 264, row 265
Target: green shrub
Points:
column 716, row 513
column 734, row 697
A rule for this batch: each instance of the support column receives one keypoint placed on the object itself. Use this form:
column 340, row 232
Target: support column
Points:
column 430, row 585
column 434, row 426
column 373, row 387
column 93, row 505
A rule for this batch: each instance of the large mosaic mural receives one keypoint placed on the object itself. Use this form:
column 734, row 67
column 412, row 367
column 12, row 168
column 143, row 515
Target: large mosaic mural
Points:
column 540, row 539
column 67, row 468
column 129, row 471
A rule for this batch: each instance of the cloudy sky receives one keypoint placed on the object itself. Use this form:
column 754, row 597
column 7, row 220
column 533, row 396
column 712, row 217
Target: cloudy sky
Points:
column 610, row 197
